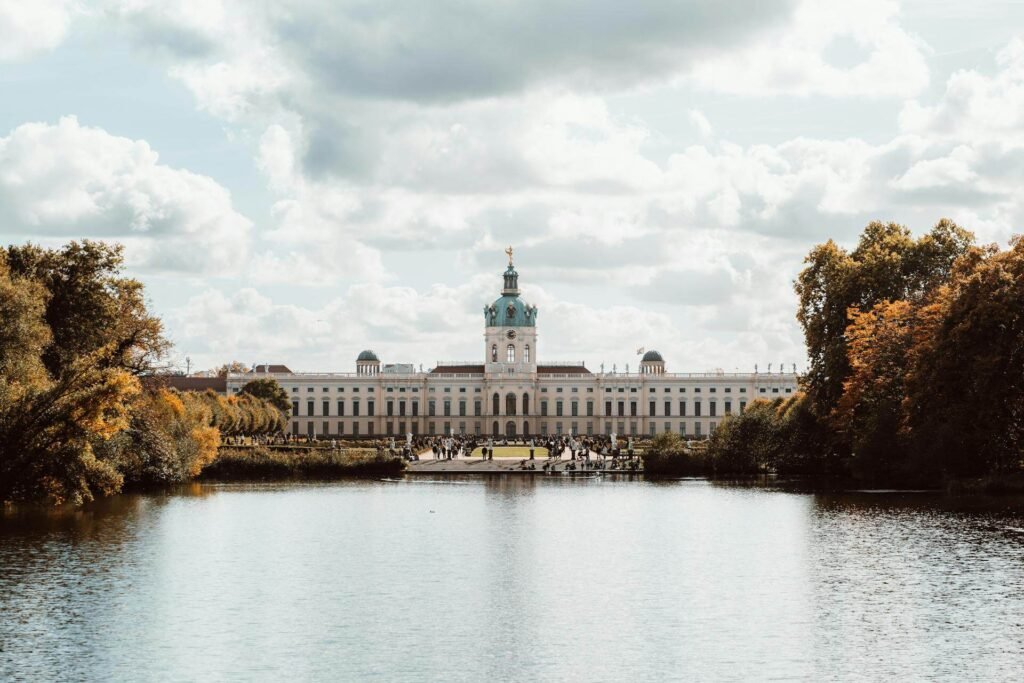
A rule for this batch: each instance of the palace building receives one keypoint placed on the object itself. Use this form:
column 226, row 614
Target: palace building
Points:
column 512, row 392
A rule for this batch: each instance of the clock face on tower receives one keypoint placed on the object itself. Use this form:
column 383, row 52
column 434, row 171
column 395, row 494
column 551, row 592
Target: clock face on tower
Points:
column 511, row 334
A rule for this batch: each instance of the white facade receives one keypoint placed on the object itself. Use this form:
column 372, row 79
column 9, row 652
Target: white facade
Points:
column 511, row 393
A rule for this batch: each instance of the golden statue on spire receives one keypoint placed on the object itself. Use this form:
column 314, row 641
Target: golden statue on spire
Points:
column 509, row 252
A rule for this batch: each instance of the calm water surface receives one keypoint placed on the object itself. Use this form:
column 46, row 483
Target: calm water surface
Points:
column 514, row 579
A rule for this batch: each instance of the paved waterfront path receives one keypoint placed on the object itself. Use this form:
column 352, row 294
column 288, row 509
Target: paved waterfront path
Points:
column 427, row 465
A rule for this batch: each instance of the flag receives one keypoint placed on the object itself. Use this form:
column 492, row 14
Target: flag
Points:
column 640, row 351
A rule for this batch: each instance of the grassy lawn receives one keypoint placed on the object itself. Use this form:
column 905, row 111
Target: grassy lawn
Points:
column 513, row 452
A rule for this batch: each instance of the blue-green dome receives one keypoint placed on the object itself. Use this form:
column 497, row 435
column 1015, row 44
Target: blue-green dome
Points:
column 510, row 311
column 367, row 355
column 653, row 357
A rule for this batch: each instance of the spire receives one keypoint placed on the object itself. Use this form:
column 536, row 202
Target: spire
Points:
column 511, row 277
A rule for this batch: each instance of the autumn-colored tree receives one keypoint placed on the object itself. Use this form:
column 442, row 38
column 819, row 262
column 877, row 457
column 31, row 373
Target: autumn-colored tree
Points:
column 90, row 305
column 49, row 430
column 870, row 412
column 965, row 397
column 234, row 367
column 887, row 265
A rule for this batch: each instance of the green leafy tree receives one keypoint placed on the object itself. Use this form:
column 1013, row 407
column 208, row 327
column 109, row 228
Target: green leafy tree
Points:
column 269, row 390
column 91, row 306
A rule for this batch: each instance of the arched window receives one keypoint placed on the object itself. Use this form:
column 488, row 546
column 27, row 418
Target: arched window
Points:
column 526, row 354
column 496, row 401
column 526, row 403
column 510, row 353
column 510, row 404
column 494, row 353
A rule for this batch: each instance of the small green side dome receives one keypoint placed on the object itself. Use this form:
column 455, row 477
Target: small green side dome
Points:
column 653, row 357
column 367, row 355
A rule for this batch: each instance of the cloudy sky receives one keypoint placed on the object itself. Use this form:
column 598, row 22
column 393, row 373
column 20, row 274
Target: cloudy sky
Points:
column 296, row 181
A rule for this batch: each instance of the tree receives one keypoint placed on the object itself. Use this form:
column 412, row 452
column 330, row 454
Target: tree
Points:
column 234, row 367
column 886, row 265
column 269, row 390
column 965, row 396
column 91, row 306
column 869, row 414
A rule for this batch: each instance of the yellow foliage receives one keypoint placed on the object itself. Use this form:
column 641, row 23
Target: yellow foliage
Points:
column 207, row 440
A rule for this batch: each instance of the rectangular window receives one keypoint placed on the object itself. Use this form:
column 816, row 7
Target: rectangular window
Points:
column 651, row 407
column 401, row 408
column 558, row 410
column 696, row 429
column 431, row 428
column 355, row 411
column 415, row 408
column 728, row 407
column 295, row 408
column 543, row 408
column 327, row 408
column 696, row 408
column 743, row 406
column 390, row 427
column 391, row 408
column 682, row 409
column 668, row 411
column 369, row 427
column 590, row 428
column 478, row 408
column 575, row 409
column 431, row 408
column 622, row 408
column 462, row 409
column 712, row 409
column 369, row 409
column 447, row 410
column 632, row 408
column 341, row 409
column 590, row 410
column 651, row 428
column 309, row 411
column 608, row 408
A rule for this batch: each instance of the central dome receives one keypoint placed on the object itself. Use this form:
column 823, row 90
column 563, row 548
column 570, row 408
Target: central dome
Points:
column 511, row 311
column 653, row 357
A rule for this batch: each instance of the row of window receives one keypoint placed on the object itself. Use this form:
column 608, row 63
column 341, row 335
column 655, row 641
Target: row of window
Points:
column 510, row 353
column 512, row 403
column 543, row 390
column 695, row 429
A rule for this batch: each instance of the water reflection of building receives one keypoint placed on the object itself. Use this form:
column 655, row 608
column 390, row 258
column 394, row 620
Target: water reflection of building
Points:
column 512, row 393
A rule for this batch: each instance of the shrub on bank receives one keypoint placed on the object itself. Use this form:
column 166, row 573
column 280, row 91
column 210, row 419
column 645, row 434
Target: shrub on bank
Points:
column 261, row 462
column 668, row 455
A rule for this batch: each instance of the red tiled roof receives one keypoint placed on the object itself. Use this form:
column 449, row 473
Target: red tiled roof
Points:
column 562, row 369
column 461, row 369
column 273, row 368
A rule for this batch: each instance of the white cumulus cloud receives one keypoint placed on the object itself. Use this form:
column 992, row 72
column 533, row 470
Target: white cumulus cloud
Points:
column 66, row 180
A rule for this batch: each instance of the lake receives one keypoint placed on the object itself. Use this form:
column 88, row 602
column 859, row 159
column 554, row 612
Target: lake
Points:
column 514, row 578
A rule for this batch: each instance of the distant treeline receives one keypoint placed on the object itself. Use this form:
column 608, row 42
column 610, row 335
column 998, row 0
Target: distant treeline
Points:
column 916, row 375
column 78, row 415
